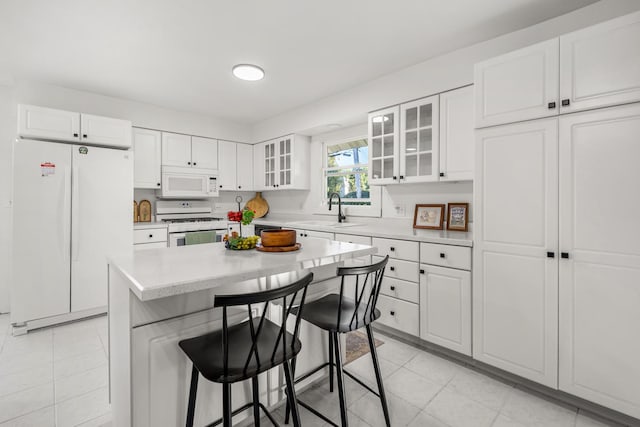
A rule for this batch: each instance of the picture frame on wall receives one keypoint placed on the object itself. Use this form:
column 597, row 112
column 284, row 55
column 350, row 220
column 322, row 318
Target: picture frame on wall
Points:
column 458, row 216
column 430, row 217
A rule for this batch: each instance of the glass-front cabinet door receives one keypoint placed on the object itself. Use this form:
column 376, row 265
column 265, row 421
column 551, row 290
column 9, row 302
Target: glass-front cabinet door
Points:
column 419, row 144
column 270, row 164
column 284, row 161
column 384, row 146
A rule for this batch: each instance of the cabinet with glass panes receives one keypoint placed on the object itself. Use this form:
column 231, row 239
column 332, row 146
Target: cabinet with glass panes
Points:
column 282, row 163
column 384, row 167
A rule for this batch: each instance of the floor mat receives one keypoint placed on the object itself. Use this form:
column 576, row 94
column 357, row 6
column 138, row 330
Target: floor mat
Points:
column 358, row 345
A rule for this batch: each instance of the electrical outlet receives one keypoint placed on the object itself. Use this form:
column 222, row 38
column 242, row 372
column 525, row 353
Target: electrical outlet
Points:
column 400, row 210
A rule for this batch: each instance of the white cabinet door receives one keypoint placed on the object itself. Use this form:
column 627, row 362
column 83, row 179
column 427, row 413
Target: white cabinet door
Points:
column 259, row 175
column 457, row 137
column 285, row 161
column 445, row 307
column 105, row 131
column 227, row 156
column 397, row 314
column 515, row 284
column 419, row 153
column 600, row 279
column 600, row 65
column 384, row 146
column 147, row 150
column 517, row 86
column 48, row 123
column 269, row 158
column 176, row 149
column 204, row 152
column 244, row 167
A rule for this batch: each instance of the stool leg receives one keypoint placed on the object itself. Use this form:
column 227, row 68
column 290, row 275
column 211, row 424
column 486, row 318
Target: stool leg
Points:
column 376, row 368
column 256, row 402
column 340, row 375
column 288, row 405
column 330, row 361
column 191, row 409
column 226, row 405
column 291, row 393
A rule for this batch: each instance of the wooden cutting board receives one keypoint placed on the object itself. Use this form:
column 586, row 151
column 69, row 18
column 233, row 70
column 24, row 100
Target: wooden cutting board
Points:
column 135, row 211
column 278, row 248
column 259, row 205
column 145, row 211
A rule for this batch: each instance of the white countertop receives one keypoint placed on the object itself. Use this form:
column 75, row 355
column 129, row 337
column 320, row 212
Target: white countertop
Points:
column 385, row 228
column 164, row 272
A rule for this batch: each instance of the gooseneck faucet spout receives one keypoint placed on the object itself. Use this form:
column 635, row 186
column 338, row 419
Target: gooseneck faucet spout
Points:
column 340, row 216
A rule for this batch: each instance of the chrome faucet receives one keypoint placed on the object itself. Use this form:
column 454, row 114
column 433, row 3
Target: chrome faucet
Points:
column 340, row 216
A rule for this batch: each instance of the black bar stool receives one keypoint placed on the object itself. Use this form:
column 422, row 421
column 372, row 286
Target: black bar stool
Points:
column 245, row 350
column 339, row 314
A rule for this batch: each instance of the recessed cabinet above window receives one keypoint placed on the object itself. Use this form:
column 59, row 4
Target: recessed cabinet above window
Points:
column 282, row 164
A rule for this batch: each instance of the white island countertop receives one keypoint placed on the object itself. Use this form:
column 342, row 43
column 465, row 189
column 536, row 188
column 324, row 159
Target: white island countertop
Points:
column 165, row 272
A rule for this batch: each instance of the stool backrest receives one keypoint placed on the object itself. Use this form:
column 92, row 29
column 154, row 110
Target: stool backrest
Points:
column 287, row 296
column 368, row 281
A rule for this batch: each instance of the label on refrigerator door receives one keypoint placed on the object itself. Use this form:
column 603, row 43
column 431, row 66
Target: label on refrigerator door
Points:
column 47, row 168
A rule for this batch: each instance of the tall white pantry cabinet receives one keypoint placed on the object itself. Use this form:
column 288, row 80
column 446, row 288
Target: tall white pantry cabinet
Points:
column 556, row 281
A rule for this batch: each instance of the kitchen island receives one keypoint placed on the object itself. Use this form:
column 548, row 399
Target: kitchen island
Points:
column 159, row 297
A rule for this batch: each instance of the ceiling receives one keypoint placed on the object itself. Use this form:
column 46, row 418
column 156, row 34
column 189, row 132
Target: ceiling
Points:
column 179, row 54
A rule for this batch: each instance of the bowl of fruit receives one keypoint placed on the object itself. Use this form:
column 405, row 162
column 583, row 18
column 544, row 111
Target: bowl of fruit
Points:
column 239, row 243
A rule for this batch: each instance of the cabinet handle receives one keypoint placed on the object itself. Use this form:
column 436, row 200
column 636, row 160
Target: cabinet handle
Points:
column 150, row 236
column 393, row 313
column 84, row 135
column 566, row 102
column 401, row 176
column 158, row 184
column 422, row 271
column 194, row 163
column 393, row 288
column 564, row 255
column 395, row 177
column 220, row 185
column 392, row 249
column 392, row 268
column 239, row 187
column 441, row 173
column 301, row 235
column 551, row 105
column 188, row 163
column 75, row 135
column 551, row 254
column 443, row 255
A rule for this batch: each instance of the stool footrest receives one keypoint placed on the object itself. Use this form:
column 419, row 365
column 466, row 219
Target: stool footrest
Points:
column 244, row 408
column 308, row 374
column 316, row 413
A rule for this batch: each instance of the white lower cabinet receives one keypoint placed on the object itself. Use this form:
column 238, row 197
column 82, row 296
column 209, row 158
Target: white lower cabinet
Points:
column 303, row 234
column 397, row 314
column 361, row 240
column 445, row 307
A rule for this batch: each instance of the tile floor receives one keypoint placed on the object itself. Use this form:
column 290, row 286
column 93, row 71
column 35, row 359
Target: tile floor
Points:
column 58, row 377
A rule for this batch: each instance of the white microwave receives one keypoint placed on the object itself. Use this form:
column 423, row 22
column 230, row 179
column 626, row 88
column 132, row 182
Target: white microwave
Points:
column 181, row 182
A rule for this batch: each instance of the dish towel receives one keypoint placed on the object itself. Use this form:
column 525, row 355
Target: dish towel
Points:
column 200, row 237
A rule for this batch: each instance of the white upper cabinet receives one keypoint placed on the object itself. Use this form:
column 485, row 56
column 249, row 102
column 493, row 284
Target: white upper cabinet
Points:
column 176, row 149
column 419, row 141
column 517, row 86
column 105, row 131
column 600, row 276
column 147, row 149
column 48, row 123
column 244, row 166
column 227, row 170
column 282, row 163
column 515, row 279
column 457, row 138
column 600, row 65
column 384, row 146
column 204, row 152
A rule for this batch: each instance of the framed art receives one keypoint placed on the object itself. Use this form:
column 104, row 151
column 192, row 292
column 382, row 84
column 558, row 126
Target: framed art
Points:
column 429, row 217
column 458, row 216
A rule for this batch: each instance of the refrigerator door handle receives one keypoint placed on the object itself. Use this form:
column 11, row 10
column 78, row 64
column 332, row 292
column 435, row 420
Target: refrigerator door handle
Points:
column 66, row 218
column 75, row 204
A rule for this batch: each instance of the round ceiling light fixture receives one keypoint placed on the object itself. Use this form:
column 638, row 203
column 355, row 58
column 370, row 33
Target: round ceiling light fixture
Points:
column 248, row 72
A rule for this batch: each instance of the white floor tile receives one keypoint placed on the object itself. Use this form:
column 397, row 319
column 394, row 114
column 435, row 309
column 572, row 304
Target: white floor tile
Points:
column 531, row 410
column 433, row 368
column 79, row 384
column 369, row 409
column 425, row 420
column 102, row 421
column 363, row 369
column 396, row 351
column 504, row 421
column 36, row 341
column 78, row 364
column 413, row 388
column 23, row 380
column 353, row 390
column 84, row 408
column 16, row 362
column 457, row 410
column 41, row 418
column 26, row 401
column 71, row 347
column 481, row 388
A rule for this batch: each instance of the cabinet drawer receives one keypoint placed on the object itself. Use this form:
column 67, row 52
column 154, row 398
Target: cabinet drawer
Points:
column 399, row 249
column 398, row 269
column 400, row 289
column 350, row 238
column 400, row 315
column 154, row 245
column 446, row 255
column 149, row 235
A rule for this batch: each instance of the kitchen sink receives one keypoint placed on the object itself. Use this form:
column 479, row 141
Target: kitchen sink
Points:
column 321, row 223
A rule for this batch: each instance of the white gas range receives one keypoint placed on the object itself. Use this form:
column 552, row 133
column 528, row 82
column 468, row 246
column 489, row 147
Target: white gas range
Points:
column 188, row 216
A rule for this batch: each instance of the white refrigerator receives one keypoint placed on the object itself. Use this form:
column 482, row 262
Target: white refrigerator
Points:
column 72, row 208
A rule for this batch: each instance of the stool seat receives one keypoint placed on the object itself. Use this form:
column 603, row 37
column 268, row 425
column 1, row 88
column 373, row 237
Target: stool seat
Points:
column 206, row 353
column 325, row 311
